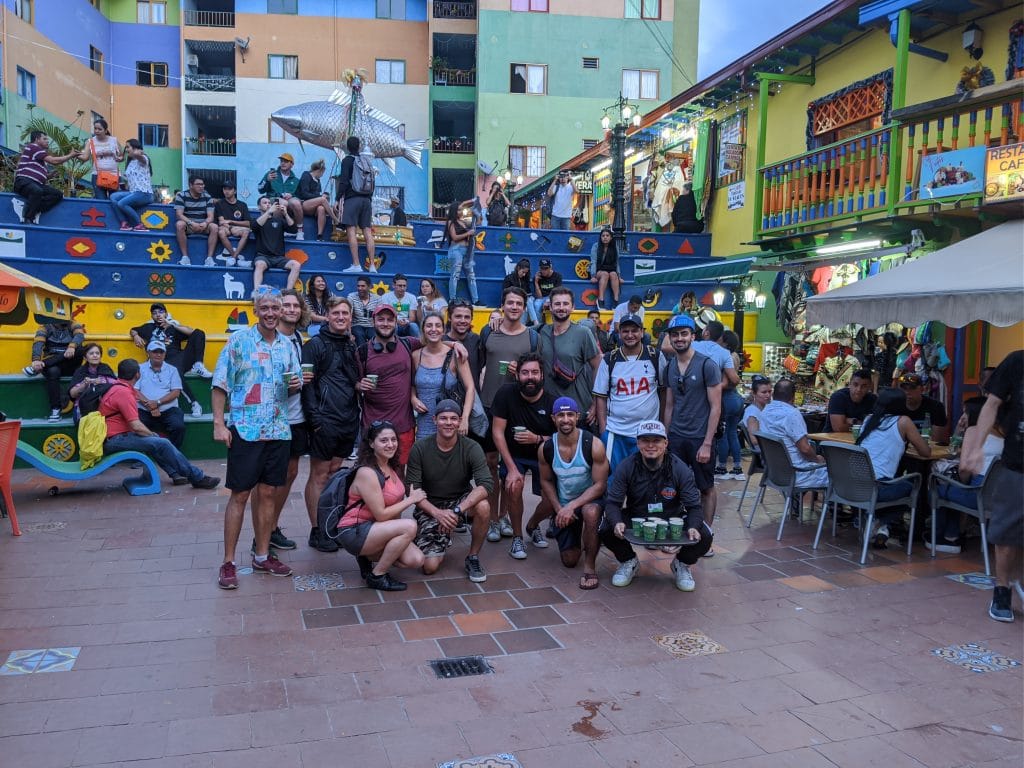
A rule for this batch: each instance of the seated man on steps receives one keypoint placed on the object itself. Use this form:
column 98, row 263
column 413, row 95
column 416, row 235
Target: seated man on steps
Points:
column 126, row 432
column 157, row 389
column 185, row 347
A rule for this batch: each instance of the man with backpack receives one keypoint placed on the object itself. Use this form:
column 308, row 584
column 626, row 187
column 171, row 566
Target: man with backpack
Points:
column 331, row 404
column 355, row 187
column 570, row 355
column 573, row 477
column 627, row 390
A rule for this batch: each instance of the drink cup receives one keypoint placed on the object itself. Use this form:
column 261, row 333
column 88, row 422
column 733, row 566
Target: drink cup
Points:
column 638, row 526
column 855, row 431
column 675, row 528
column 372, row 378
column 650, row 531
column 662, row 530
column 503, row 367
column 287, row 377
column 307, row 367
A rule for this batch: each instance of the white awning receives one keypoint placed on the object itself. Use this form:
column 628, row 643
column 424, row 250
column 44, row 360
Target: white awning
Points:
column 978, row 278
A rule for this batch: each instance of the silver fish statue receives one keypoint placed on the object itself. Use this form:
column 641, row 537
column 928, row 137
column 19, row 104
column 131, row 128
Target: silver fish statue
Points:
column 325, row 124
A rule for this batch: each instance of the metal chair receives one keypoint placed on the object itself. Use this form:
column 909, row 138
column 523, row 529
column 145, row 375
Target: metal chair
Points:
column 780, row 475
column 982, row 493
column 756, row 465
column 852, row 482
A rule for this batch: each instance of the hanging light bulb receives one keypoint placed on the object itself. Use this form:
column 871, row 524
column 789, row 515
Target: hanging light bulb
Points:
column 519, row 180
column 507, row 175
column 606, row 122
column 627, row 112
column 750, row 294
column 718, row 296
column 636, row 119
column 760, row 300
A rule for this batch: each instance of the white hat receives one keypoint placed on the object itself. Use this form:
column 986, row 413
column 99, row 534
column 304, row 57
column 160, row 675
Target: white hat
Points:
column 652, row 429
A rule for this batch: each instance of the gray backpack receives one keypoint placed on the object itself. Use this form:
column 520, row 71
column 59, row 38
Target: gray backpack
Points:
column 363, row 177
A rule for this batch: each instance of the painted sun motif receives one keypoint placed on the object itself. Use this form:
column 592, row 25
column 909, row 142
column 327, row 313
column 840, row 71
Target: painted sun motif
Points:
column 380, row 288
column 582, row 269
column 159, row 251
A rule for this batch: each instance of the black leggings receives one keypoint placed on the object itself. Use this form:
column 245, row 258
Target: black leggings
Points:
column 185, row 358
column 55, row 366
column 687, row 555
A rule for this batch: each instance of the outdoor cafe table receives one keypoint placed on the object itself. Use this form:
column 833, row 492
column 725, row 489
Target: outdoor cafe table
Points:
column 938, row 451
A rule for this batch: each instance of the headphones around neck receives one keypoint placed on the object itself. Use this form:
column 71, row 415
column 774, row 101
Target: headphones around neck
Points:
column 377, row 347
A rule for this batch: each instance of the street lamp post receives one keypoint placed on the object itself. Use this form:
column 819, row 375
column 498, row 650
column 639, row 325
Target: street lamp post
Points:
column 624, row 114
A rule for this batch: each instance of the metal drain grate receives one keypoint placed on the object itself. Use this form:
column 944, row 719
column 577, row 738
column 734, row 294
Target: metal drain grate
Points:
column 461, row 666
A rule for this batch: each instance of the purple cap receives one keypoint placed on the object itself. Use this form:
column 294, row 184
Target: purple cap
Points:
column 564, row 405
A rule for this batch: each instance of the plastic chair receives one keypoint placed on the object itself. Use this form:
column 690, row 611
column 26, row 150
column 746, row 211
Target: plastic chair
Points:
column 982, row 493
column 780, row 475
column 8, row 448
column 852, row 482
column 756, row 465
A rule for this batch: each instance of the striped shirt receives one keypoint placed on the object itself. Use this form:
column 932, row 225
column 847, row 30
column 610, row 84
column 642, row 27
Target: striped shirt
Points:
column 362, row 314
column 31, row 164
column 194, row 208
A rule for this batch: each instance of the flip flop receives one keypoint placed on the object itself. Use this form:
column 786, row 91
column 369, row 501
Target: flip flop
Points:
column 589, row 581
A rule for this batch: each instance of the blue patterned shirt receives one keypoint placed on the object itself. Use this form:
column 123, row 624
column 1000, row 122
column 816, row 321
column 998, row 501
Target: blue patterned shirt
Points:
column 251, row 371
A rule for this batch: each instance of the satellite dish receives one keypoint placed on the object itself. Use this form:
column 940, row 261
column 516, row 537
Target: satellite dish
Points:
column 487, row 168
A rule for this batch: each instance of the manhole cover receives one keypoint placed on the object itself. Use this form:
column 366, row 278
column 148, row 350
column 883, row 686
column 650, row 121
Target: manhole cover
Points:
column 42, row 527
column 461, row 666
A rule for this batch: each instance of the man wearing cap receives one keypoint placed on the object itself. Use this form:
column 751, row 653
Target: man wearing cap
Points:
column 157, row 389
column 627, row 390
column 573, row 478
column 185, row 347
column 544, row 282
column 193, row 213
column 232, row 217
column 270, row 228
column 693, row 405
column 281, row 183
column 570, row 355
column 634, row 305
column 654, row 483
column 922, row 409
column 452, row 471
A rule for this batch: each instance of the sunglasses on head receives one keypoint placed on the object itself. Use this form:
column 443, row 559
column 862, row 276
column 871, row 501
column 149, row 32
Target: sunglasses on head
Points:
column 381, row 424
column 460, row 303
column 267, row 290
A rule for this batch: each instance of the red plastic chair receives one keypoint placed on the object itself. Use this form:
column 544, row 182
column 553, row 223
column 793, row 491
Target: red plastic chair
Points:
column 8, row 446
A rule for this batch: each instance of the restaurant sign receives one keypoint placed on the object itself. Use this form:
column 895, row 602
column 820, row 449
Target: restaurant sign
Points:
column 584, row 182
column 1004, row 173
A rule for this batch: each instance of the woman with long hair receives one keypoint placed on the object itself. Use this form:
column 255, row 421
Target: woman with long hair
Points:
column 497, row 206
column 604, row 266
column 316, row 295
column 459, row 238
column 92, row 371
column 430, row 299
column 372, row 527
column 138, row 175
column 732, row 410
column 436, row 370
column 688, row 304
column 884, row 435
column 105, row 153
column 314, row 201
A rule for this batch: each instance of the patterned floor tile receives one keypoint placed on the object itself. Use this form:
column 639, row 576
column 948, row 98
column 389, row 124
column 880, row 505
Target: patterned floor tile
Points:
column 975, row 657
column 686, row 644
column 317, row 582
column 503, row 760
column 39, row 660
column 52, row 525
column 977, row 580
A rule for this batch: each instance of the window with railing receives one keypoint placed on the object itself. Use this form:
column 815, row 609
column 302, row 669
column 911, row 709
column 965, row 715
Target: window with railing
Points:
column 527, row 160
column 214, row 83
column 152, row 74
column 445, row 76
column 151, row 12
column 454, row 9
column 455, row 145
column 216, row 147
column 194, row 18
column 281, row 67
column 153, row 135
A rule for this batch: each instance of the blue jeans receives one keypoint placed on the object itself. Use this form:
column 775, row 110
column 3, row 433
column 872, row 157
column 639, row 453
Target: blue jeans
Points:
column 535, row 309
column 126, row 203
column 160, row 450
column 461, row 258
column 409, row 329
column 99, row 192
column 947, row 521
column 729, row 443
column 891, row 492
column 560, row 222
column 171, row 422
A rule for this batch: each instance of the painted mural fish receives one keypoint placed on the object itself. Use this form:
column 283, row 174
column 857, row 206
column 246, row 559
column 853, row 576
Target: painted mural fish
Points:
column 326, row 124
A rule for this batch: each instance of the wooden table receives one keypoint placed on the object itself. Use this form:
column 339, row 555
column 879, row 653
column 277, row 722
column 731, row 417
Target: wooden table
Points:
column 938, row 451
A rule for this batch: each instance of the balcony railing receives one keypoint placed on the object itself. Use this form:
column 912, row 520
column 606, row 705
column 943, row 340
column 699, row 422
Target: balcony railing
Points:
column 454, row 9
column 456, row 145
column 215, row 147
column 194, row 18
column 209, row 83
column 454, row 77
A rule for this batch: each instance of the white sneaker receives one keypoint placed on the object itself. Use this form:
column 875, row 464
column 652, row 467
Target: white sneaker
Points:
column 197, row 409
column 209, row 262
column 624, row 574
column 493, row 532
column 243, row 262
column 684, row 579
column 942, row 545
column 185, row 261
column 28, row 370
column 506, row 527
column 373, row 267
column 517, row 550
column 353, row 268
column 201, row 370
column 224, row 254
column 54, row 415
column 300, row 235
column 537, row 538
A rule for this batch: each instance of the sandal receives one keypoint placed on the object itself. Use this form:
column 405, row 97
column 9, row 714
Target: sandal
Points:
column 589, row 581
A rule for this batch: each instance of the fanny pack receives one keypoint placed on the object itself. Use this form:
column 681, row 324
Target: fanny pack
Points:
column 558, row 368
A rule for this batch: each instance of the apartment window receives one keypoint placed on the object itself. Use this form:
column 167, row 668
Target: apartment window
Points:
column 151, row 73
column 282, row 67
column 591, row 62
column 153, row 135
column 26, row 85
column 534, row 6
column 640, row 83
column 96, row 60
column 23, row 10
column 151, row 12
column 390, row 9
column 278, row 135
column 528, row 78
column 528, row 161
column 390, row 71
column 282, row 6
column 643, row 9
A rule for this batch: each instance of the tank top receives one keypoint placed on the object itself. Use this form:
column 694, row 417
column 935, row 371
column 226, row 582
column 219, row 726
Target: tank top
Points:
column 574, row 477
column 394, row 491
column 428, row 387
column 886, row 446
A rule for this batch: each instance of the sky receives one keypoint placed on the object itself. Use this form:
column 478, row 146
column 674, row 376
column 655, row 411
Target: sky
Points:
column 731, row 28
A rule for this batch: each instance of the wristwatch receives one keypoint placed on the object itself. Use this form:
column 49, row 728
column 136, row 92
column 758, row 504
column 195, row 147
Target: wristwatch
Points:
column 457, row 511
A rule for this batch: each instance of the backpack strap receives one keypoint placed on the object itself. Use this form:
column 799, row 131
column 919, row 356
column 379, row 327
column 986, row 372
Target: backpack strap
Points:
column 588, row 448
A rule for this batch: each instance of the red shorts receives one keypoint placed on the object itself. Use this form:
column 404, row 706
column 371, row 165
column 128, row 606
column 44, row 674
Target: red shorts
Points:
column 405, row 441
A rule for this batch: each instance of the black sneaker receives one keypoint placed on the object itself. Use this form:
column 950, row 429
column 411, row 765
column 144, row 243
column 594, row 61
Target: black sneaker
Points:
column 1000, row 609
column 206, row 482
column 279, row 540
column 270, row 550
column 385, row 583
column 720, row 471
column 179, row 480
column 365, row 567
column 320, row 541
column 474, row 570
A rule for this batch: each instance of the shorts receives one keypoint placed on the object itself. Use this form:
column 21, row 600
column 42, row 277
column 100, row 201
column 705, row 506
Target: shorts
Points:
column 326, row 445
column 1006, row 524
column 570, row 537
column 253, row 463
column 619, row 447
column 358, row 212
column 300, row 440
column 272, row 262
column 686, row 449
column 524, row 466
column 352, row 538
column 430, row 539
column 405, row 443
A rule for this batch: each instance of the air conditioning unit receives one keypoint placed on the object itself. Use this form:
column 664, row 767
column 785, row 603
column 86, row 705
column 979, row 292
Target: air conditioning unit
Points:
column 192, row 60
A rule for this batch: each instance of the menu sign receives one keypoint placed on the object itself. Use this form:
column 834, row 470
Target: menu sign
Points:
column 1004, row 173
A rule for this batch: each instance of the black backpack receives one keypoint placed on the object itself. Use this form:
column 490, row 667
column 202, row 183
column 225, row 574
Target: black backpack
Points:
column 89, row 400
column 652, row 353
column 486, row 332
column 331, row 506
column 588, row 448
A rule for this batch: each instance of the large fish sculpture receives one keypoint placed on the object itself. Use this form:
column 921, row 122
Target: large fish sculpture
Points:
column 327, row 124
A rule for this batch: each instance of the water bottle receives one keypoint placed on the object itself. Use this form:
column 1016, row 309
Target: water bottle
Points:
column 926, row 429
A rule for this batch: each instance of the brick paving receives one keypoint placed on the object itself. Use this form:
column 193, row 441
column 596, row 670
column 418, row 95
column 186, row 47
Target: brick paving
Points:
column 820, row 662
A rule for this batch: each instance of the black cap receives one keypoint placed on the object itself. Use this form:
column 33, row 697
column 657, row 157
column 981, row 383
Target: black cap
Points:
column 228, row 184
column 545, row 262
column 157, row 305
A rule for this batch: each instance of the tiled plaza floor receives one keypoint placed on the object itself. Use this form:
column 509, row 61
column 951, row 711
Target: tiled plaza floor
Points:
column 118, row 649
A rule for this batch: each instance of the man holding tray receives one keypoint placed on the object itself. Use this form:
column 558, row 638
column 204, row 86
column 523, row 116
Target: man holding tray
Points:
column 654, row 483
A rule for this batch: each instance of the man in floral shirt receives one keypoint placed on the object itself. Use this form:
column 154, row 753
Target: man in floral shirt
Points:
column 256, row 371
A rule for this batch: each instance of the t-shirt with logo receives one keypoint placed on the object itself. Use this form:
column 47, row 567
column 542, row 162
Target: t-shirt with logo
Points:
column 636, row 491
column 536, row 417
column 547, row 283
column 234, row 213
column 632, row 392
column 402, row 305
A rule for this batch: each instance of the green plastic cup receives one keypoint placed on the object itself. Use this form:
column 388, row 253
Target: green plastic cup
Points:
column 662, row 530
column 855, row 431
column 675, row 528
column 638, row 526
column 503, row 367
column 650, row 531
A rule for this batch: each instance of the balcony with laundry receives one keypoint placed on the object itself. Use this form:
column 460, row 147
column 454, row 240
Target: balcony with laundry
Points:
column 454, row 60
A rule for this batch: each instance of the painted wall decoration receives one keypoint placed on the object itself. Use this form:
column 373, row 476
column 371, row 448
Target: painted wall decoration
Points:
column 436, row 236
column 442, row 264
column 75, row 281
column 159, row 251
column 154, row 219
column 651, row 299
column 93, row 217
column 647, row 245
column 575, row 244
column 80, row 247
column 508, row 241
column 380, row 288
column 540, row 241
column 233, row 289
column 161, row 284
column 582, row 269
column 686, row 249
column 589, row 297
column 296, row 254
column 644, row 266
column 946, row 174
column 12, row 244
column 480, row 240
column 59, row 446
column 1004, row 173
column 238, row 320
column 380, row 258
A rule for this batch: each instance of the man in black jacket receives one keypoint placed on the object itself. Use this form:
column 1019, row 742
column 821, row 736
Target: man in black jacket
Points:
column 330, row 405
column 358, row 210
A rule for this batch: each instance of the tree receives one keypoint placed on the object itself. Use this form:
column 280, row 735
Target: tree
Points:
column 64, row 177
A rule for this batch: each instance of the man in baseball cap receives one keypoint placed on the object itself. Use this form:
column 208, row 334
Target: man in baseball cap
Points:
column 282, row 183
column 544, row 282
